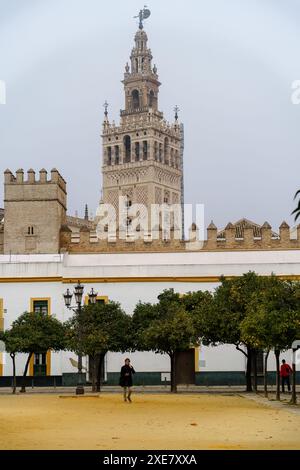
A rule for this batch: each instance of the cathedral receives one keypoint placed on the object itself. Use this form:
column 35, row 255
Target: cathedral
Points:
column 44, row 250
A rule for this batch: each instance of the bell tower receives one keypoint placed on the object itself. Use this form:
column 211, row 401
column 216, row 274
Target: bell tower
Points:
column 141, row 155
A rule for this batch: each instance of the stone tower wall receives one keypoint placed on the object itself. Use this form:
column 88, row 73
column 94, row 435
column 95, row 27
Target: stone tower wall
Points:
column 35, row 210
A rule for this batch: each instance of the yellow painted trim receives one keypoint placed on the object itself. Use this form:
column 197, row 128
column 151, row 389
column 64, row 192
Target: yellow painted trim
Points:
column 1, row 320
column 99, row 297
column 197, row 356
column 103, row 280
column 4, row 280
column 48, row 357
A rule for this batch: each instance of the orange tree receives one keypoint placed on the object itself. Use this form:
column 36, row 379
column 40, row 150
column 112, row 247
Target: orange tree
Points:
column 165, row 327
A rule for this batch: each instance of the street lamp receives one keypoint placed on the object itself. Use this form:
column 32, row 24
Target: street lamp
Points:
column 78, row 294
column 93, row 296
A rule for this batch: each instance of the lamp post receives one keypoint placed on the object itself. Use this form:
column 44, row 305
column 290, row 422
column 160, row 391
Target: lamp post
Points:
column 78, row 294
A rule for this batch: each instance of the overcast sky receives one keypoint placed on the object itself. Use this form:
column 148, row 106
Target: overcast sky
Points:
column 228, row 64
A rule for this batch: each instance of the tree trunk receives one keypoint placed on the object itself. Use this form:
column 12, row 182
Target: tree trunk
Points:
column 254, row 356
column 294, row 396
column 99, row 371
column 23, row 388
column 14, row 385
column 266, row 374
column 94, row 373
column 173, row 372
column 249, row 370
column 277, row 355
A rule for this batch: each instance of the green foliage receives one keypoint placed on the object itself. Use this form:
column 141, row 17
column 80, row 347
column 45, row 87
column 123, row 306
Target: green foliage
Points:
column 33, row 332
column 297, row 210
column 164, row 327
column 273, row 316
column 99, row 328
column 220, row 314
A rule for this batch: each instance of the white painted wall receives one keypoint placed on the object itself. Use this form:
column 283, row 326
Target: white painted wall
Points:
column 16, row 295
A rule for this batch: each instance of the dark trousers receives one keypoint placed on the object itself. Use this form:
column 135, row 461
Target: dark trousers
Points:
column 285, row 380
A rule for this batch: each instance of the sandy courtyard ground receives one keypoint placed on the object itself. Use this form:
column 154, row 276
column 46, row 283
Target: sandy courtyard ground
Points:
column 150, row 422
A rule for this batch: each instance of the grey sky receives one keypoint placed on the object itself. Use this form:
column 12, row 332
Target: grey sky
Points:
column 228, row 64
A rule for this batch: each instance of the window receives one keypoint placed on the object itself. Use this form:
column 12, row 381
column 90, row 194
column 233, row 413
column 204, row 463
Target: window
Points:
column 40, row 363
column 137, row 151
column 172, row 157
column 151, row 99
column 117, row 155
column 127, row 148
column 155, row 151
column 135, row 96
column 166, row 150
column 145, row 150
column 30, row 230
column 109, row 155
column 176, row 159
column 160, row 156
column 40, row 306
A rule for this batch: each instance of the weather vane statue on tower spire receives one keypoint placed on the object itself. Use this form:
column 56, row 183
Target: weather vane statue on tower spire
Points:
column 143, row 15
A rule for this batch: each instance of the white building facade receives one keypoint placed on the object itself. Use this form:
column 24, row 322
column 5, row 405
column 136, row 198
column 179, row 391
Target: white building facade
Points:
column 128, row 278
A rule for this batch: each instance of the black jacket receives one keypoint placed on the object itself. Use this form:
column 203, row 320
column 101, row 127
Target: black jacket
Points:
column 126, row 376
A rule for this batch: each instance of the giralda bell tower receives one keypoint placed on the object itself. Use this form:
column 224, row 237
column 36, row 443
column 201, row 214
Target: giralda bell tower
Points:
column 142, row 155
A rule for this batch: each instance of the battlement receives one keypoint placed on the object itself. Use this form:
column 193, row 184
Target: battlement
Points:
column 18, row 178
column 34, row 211
column 246, row 235
column 233, row 237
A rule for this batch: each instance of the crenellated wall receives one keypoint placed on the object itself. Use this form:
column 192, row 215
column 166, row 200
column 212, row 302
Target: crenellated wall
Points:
column 85, row 241
column 34, row 211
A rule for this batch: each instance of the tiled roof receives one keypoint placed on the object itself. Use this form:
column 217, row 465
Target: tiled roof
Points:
column 240, row 225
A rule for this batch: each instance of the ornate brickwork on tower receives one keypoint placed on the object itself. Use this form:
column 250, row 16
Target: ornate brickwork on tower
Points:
column 141, row 156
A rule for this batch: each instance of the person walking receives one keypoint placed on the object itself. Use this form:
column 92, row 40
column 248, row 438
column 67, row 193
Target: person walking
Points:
column 285, row 372
column 126, row 379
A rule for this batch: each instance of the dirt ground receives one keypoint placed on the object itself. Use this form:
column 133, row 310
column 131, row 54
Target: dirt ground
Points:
column 158, row 421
